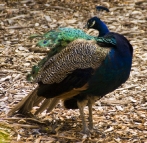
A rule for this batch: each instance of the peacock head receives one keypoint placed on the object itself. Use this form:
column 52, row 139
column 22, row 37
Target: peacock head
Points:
column 97, row 24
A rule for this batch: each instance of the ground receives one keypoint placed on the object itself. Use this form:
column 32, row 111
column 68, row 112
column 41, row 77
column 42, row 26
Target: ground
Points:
column 120, row 116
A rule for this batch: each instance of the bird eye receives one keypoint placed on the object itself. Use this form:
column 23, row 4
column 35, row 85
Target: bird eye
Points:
column 92, row 23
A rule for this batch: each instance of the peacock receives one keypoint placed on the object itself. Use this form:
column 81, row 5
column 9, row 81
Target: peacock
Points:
column 58, row 39
column 82, row 72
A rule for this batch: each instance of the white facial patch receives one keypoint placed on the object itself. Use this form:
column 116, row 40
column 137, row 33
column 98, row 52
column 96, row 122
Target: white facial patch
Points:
column 92, row 23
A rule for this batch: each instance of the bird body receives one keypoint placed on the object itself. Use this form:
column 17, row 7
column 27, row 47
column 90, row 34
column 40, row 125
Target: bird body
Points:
column 83, row 71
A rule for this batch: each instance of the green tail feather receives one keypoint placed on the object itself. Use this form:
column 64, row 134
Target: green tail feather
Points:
column 61, row 37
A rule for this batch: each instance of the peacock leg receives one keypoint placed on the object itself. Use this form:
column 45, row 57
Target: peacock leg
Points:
column 90, row 114
column 81, row 109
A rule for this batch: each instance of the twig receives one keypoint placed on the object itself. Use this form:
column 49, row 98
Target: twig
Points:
column 18, row 27
column 9, row 71
column 30, row 119
column 26, row 126
column 110, row 102
column 59, row 7
column 39, row 50
column 64, row 137
column 128, row 87
column 19, row 16
column 4, row 14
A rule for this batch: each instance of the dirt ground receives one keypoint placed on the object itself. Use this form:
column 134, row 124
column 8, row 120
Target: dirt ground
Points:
column 119, row 117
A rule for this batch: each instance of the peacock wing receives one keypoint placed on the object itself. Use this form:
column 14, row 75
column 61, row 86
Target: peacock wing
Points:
column 71, row 68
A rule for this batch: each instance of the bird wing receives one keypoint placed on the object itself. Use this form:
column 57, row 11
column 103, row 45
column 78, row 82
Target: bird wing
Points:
column 80, row 54
column 70, row 69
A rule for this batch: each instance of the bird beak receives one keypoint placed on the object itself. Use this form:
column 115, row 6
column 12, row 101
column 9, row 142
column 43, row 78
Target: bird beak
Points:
column 86, row 26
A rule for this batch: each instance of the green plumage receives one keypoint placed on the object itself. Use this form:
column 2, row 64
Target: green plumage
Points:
column 61, row 37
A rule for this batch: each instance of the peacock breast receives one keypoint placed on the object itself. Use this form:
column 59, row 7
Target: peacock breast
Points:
column 113, row 72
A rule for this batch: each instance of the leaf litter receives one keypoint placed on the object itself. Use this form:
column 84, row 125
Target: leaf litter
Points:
column 119, row 117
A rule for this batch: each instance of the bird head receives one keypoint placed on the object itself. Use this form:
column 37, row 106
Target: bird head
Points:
column 97, row 24
column 92, row 23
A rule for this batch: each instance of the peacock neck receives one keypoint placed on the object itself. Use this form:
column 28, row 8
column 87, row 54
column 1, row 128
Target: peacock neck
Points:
column 102, row 28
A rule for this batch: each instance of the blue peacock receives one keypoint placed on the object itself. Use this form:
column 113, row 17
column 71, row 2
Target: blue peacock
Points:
column 80, row 73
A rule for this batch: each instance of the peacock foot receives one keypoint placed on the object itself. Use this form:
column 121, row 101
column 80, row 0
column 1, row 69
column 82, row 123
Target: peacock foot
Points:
column 86, row 131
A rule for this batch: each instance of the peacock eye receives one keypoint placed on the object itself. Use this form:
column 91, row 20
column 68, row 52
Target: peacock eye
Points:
column 44, row 42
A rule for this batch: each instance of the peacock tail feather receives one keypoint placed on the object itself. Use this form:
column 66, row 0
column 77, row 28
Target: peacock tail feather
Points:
column 61, row 37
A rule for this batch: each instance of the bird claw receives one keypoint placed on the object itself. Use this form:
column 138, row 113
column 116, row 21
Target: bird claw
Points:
column 90, row 130
column 86, row 131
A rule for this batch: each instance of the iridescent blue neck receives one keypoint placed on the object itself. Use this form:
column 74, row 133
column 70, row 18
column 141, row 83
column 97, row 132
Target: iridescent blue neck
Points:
column 102, row 28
